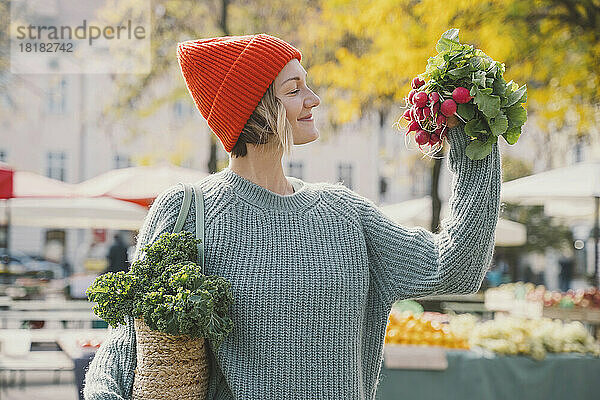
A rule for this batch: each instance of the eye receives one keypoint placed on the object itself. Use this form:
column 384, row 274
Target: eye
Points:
column 295, row 91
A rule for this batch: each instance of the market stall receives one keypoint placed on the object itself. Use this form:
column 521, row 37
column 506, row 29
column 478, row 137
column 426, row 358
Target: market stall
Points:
column 472, row 375
column 431, row 355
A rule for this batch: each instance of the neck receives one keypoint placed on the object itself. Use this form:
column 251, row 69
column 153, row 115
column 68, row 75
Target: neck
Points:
column 264, row 172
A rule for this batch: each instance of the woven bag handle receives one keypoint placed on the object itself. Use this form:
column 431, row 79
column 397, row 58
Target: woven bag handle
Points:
column 200, row 222
column 185, row 207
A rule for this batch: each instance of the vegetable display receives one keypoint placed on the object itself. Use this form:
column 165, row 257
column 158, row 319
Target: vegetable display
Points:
column 502, row 335
column 533, row 337
column 168, row 289
column 462, row 81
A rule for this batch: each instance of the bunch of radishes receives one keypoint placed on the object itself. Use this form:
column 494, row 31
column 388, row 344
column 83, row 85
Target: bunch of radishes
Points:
column 427, row 113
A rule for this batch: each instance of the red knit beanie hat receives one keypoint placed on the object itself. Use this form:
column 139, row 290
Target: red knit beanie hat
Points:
column 227, row 76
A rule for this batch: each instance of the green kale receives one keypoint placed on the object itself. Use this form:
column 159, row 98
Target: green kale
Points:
column 168, row 289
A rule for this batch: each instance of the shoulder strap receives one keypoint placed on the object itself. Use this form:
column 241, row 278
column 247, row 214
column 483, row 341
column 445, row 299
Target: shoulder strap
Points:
column 200, row 222
column 185, row 207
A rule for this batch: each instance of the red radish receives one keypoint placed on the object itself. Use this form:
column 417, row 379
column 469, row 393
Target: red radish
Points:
column 448, row 107
column 461, row 95
column 436, row 107
column 414, row 126
column 420, row 114
column 440, row 120
column 434, row 97
column 422, row 137
column 426, row 113
column 433, row 139
column 407, row 115
column 413, row 113
column 442, row 132
column 417, row 83
column 411, row 96
column 420, row 99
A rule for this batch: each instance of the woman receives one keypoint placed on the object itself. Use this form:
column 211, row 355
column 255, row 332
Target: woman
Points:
column 314, row 267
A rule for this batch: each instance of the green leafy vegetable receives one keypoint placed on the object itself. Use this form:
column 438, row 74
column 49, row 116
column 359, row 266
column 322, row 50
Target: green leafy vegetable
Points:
column 168, row 290
column 496, row 108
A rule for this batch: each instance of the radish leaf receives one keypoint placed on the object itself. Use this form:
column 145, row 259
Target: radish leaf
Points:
column 451, row 34
column 488, row 104
column 516, row 96
column 477, row 150
column 474, row 127
column 499, row 124
column 517, row 115
column 512, row 135
column 466, row 111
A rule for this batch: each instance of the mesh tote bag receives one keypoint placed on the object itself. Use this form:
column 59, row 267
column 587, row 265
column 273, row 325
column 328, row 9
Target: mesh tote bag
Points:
column 173, row 367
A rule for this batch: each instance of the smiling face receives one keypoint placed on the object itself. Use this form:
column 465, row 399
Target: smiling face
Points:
column 298, row 100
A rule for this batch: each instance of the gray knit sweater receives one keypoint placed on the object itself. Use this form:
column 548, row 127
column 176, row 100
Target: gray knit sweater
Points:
column 314, row 276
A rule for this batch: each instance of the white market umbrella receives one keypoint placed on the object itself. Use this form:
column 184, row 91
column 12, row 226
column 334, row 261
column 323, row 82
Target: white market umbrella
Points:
column 66, row 213
column 28, row 185
column 580, row 182
column 140, row 185
column 568, row 192
column 418, row 212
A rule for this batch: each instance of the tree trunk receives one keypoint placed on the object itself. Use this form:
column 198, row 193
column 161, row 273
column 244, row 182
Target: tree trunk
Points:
column 436, row 203
column 212, row 160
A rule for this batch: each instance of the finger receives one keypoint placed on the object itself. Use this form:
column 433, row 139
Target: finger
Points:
column 452, row 121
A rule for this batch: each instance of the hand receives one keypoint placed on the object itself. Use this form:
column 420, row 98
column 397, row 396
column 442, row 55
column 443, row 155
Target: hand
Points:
column 452, row 121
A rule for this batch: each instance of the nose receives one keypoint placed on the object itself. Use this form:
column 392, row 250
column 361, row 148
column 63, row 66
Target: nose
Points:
column 312, row 101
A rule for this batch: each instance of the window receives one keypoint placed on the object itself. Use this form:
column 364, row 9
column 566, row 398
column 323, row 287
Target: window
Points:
column 295, row 169
column 56, row 165
column 578, row 152
column 57, row 97
column 122, row 161
column 420, row 181
column 3, row 155
column 383, row 186
column 345, row 174
column 178, row 108
column 182, row 109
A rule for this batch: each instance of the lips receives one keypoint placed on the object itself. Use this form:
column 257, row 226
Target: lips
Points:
column 307, row 118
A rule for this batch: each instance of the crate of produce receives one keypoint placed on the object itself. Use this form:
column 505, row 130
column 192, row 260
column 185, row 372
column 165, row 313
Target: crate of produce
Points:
column 592, row 315
column 567, row 314
column 415, row 357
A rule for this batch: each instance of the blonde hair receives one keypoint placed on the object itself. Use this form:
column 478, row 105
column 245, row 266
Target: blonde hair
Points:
column 267, row 124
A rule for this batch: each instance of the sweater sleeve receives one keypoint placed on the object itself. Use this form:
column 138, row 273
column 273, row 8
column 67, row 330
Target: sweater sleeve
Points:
column 414, row 262
column 110, row 374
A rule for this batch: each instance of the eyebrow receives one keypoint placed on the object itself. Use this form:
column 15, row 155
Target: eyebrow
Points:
column 296, row 78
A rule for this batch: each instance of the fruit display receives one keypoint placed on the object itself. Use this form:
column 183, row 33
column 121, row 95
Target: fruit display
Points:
column 426, row 329
column 585, row 298
column 464, row 82
column 508, row 335
column 534, row 337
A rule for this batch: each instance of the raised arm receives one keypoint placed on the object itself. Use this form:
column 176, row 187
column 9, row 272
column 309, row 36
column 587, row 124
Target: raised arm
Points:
column 110, row 374
column 413, row 262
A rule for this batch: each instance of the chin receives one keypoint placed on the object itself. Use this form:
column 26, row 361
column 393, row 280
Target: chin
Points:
column 306, row 137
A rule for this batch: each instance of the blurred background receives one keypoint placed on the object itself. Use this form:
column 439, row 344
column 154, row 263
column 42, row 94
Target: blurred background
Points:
column 83, row 155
